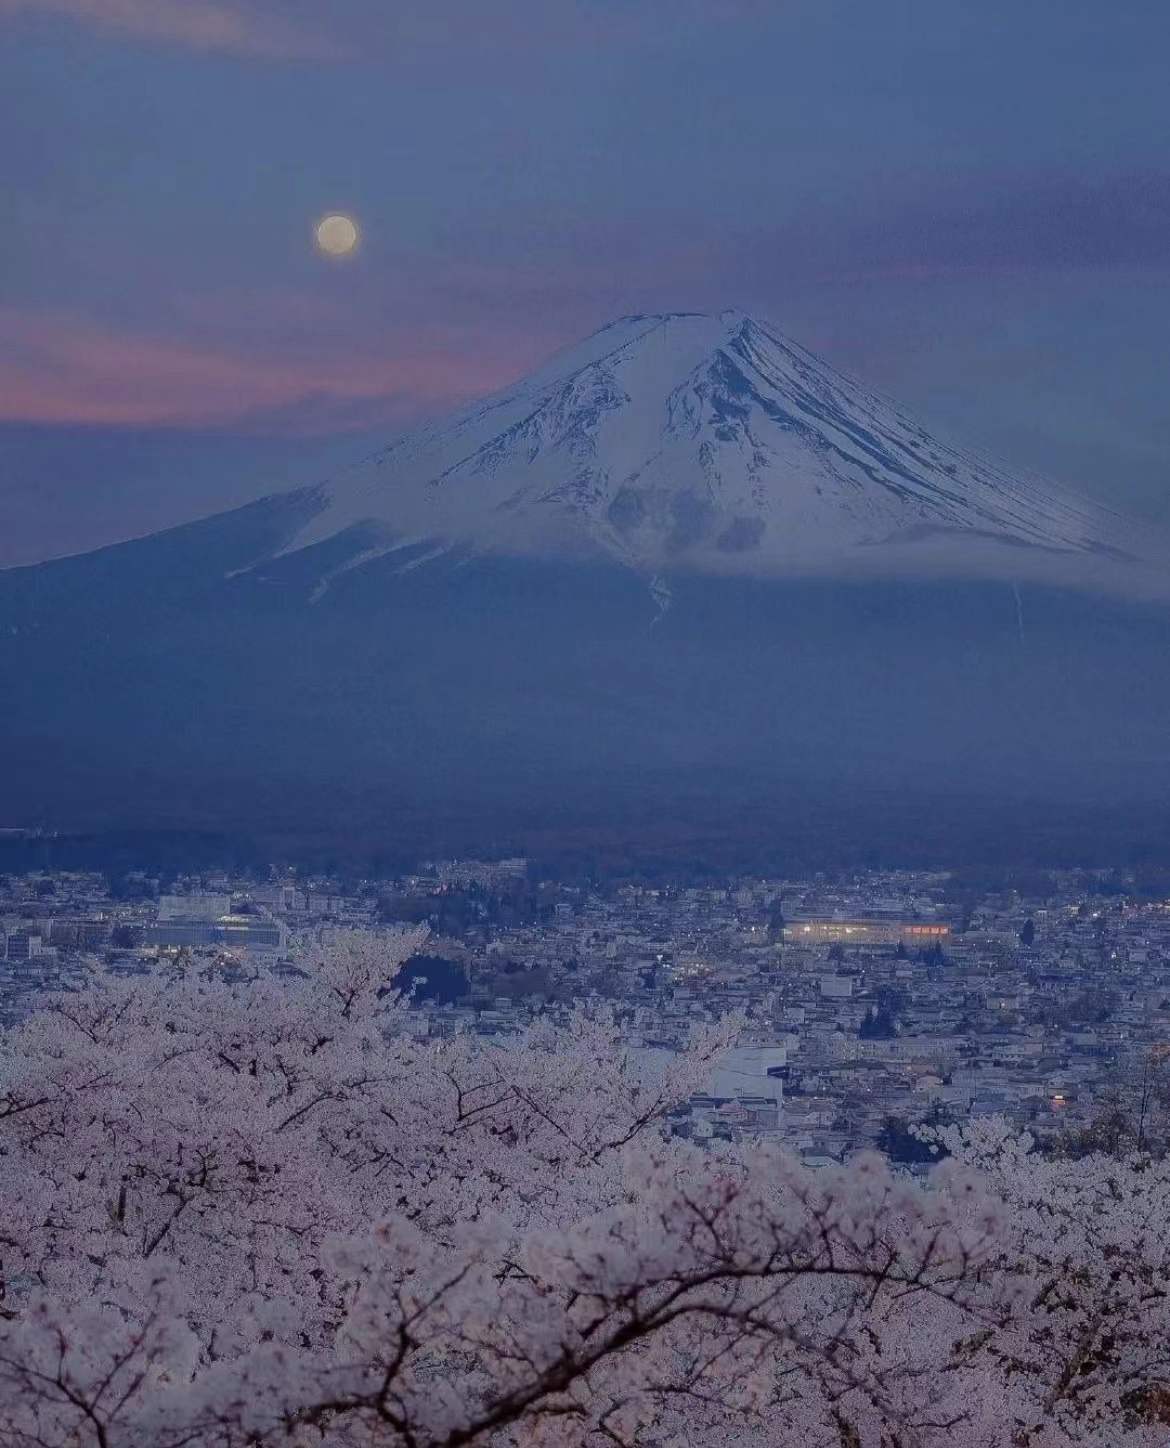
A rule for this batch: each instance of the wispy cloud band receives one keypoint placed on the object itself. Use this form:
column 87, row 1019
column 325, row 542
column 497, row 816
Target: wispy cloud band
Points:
column 225, row 26
column 61, row 369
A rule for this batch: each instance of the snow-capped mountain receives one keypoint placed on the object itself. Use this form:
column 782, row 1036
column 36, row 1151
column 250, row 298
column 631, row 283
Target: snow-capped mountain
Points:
column 684, row 571
column 707, row 442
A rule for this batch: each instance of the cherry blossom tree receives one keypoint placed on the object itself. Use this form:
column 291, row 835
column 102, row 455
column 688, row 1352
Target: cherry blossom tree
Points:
column 1086, row 1348
column 268, row 1211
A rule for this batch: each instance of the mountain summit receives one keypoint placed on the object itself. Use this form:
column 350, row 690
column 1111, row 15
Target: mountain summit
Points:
column 709, row 442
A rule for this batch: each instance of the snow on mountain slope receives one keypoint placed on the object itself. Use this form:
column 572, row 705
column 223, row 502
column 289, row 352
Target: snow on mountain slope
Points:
column 707, row 442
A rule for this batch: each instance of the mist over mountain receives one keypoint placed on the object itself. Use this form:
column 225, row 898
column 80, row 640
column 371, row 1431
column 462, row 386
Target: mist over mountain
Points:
column 684, row 567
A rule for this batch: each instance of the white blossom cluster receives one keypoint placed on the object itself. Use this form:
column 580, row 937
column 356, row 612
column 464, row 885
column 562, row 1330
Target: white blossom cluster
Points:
column 263, row 1213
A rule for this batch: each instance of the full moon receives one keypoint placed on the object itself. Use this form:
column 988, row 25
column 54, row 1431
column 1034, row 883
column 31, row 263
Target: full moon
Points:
column 337, row 235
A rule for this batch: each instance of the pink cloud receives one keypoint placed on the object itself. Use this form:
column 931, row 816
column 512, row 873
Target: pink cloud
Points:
column 344, row 29
column 59, row 369
column 210, row 25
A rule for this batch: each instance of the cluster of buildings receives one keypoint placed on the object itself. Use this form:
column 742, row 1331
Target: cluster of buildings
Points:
column 868, row 1005
column 487, row 874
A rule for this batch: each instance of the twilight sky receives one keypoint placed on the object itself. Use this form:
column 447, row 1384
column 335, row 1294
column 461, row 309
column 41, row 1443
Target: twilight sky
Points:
column 964, row 202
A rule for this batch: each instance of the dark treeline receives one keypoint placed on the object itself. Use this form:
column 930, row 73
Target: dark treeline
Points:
column 991, row 846
column 117, row 854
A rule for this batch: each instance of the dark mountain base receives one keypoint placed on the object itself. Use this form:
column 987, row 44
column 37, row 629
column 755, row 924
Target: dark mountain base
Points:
column 468, row 703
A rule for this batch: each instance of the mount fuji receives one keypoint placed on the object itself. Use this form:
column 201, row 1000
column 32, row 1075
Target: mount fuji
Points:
column 710, row 443
column 685, row 560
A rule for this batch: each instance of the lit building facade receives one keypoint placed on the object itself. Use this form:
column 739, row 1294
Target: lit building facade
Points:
column 867, row 932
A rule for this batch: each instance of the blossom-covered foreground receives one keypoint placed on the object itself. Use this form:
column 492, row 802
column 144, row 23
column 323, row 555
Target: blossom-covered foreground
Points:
column 263, row 1213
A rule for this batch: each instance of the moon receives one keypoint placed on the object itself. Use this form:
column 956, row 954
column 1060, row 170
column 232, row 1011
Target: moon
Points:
column 337, row 235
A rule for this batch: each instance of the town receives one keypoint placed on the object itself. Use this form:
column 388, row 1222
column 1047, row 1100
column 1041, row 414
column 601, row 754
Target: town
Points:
column 870, row 1006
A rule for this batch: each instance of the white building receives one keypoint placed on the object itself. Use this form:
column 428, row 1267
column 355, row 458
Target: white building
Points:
column 194, row 907
column 837, row 987
column 750, row 1071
